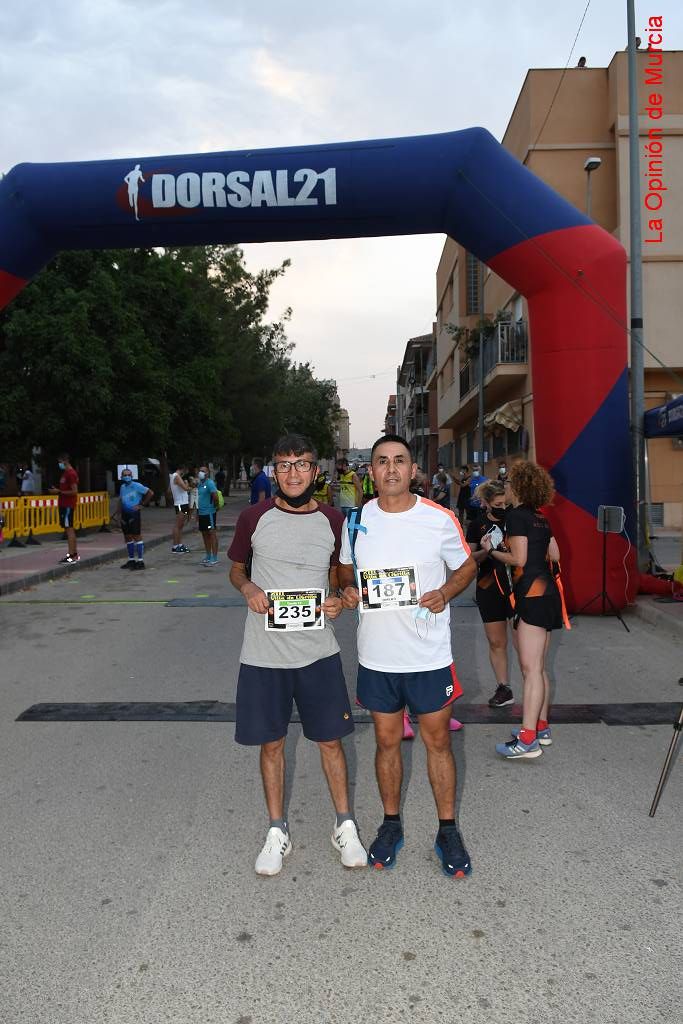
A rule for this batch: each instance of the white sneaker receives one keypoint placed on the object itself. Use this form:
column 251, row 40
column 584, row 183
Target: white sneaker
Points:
column 345, row 840
column 277, row 846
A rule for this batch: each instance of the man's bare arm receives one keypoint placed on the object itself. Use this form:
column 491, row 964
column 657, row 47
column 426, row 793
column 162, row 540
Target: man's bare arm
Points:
column 253, row 595
column 437, row 600
column 347, row 582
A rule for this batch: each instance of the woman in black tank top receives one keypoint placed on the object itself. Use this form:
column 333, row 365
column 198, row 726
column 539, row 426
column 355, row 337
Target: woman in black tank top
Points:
column 537, row 604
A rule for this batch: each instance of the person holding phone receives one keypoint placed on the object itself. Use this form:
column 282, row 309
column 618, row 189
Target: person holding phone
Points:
column 536, row 600
column 493, row 588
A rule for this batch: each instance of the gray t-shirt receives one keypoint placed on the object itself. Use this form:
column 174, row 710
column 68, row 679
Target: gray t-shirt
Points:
column 290, row 550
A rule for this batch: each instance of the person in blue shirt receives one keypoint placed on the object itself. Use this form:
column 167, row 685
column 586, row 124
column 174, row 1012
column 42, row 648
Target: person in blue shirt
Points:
column 474, row 506
column 260, row 484
column 206, row 515
column 131, row 496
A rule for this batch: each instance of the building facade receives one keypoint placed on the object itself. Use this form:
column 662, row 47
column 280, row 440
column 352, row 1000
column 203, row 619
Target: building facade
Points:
column 416, row 412
column 554, row 135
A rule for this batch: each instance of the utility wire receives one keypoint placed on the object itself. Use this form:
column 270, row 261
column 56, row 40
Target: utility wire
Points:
column 564, row 72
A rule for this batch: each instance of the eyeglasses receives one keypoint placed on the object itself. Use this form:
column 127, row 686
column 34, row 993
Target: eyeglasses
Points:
column 302, row 465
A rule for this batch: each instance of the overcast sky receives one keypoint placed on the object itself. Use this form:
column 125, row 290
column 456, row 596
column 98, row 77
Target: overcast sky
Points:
column 93, row 79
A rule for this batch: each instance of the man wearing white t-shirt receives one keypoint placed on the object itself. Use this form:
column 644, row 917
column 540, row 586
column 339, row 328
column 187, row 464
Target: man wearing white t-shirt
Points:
column 408, row 560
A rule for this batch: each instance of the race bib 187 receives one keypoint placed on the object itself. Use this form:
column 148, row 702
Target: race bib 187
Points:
column 295, row 609
column 387, row 590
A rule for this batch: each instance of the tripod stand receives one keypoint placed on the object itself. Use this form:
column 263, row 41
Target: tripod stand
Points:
column 606, row 599
column 678, row 725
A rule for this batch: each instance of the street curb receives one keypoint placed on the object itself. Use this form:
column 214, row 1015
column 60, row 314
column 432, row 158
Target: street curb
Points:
column 644, row 610
column 85, row 563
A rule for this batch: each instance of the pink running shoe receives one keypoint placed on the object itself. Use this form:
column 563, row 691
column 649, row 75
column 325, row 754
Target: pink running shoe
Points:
column 408, row 731
column 454, row 725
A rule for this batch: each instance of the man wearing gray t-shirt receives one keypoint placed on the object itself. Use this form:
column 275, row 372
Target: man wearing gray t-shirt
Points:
column 289, row 652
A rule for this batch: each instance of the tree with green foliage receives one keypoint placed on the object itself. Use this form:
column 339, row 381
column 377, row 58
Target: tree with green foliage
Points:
column 128, row 353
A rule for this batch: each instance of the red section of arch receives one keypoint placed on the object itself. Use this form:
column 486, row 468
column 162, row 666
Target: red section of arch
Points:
column 574, row 283
column 9, row 287
column 581, row 558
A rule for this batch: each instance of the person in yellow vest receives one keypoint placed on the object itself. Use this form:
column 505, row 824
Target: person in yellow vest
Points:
column 348, row 488
column 323, row 492
column 368, row 485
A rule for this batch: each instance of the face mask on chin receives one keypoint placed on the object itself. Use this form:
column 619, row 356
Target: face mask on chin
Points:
column 299, row 500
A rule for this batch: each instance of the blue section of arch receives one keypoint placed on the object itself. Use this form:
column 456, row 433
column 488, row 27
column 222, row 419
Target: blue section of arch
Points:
column 589, row 481
column 461, row 183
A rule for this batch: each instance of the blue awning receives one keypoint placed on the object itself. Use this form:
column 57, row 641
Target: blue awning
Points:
column 665, row 420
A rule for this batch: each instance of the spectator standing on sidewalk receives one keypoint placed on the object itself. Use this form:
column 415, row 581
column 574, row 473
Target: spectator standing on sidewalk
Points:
column 463, row 498
column 68, row 496
column 260, row 484
column 131, row 496
column 348, row 487
column 207, row 512
column 28, row 483
column 180, row 490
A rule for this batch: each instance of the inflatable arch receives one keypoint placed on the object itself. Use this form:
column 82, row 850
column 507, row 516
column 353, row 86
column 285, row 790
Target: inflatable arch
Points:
column 463, row 184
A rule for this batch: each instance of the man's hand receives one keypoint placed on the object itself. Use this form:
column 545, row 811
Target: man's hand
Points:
column 350, row 597
column 256, row 599
column 332, row 607
column 434, row 600
column 54, row 490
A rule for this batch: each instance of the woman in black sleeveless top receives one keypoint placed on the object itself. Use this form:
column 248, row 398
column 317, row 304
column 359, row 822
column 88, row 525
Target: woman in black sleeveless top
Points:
column 536, row 600
column 493, row 589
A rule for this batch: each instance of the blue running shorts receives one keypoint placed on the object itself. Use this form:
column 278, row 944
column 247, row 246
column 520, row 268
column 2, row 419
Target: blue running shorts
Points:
column 265, row 697
column 421, row 692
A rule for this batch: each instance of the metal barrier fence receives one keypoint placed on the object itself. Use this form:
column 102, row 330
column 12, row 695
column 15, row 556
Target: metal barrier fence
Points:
column 28, row 517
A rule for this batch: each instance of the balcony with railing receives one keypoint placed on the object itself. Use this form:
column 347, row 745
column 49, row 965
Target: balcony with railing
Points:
column 506, row 358
column 507, row 346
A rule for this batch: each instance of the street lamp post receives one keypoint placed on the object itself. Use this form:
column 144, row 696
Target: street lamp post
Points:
column 591, row 164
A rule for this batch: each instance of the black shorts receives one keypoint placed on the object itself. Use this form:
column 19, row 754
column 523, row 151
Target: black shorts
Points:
column 207, row 522
column 422, row 692
column 66, row 516
column 265, row 697
column 493, row 606
column 545, row 611
column 185, row 509
column 130, row 523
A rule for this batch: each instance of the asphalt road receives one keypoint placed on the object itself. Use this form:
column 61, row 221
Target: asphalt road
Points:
column 128, row 891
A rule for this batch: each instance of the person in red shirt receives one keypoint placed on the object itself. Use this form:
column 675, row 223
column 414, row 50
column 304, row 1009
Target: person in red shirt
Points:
column 68, row 496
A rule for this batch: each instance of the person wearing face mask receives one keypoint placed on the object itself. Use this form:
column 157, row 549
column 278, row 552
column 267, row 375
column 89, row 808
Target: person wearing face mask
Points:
column 293, row 544
column 493, row 588
column 206, row 514
column 502, row 473
column 260, row 484
column 68, row 497
column 131, row 496
column 348, row 487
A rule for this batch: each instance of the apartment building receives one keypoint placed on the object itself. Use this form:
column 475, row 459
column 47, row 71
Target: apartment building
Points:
column 554, row 136
column 415, row 409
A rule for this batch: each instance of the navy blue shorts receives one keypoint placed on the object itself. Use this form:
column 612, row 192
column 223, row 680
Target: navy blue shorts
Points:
column 66, row 516
column 130, row 524
column 422, row 692
column 265, row 697
column 206, row 522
